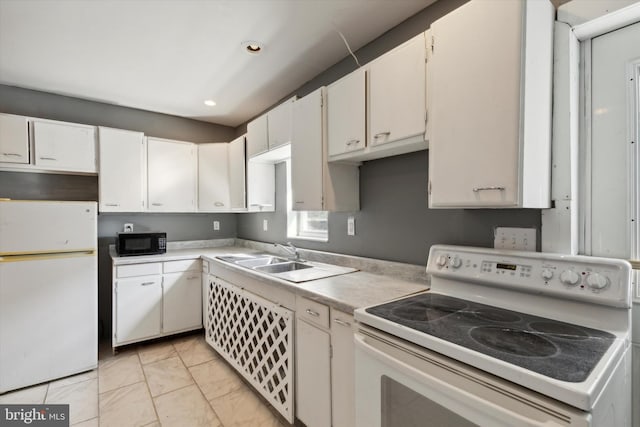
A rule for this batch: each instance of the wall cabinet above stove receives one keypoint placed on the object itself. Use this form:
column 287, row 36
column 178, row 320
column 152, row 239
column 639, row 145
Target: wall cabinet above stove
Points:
column 490, row 79
column 14, row 139
column 379, row 110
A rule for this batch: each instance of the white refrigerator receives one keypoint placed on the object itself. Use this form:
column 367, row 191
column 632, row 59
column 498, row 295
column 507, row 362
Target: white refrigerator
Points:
column 48, row 291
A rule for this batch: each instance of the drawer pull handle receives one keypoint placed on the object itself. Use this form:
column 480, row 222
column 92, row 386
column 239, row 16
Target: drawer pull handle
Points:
column 381, row 134
column 299, row 202
column 342, row 322
column 146, row 283
column 12, row 154
column 494, row 187
column 112, row 204
column 193, row 277
column 352, row 142
column 218, row 204
column 48, row 158
column 312, row 313
column 156, row 204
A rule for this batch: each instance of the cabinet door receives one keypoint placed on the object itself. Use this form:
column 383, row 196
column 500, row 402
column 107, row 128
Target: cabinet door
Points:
column 279, row 128
column 261, row 187
column 257, row 136
column 64, row 146
column 346, row 112
column 306, row 153
column 213, row 177
column 138, row 308
column 475, row 117
column 14, row 139
column 182, row 301
column 313, row 379
column 342, row 370
column 237, row 175
column 172, row 175
column 397, row 105
column 122, row 170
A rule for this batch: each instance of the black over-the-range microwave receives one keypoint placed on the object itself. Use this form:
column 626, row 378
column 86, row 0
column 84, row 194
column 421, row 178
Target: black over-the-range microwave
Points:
column 149, row 243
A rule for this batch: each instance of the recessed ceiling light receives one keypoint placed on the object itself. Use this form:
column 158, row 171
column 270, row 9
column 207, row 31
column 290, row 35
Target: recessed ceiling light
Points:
column 210, row 102
column 252, row 47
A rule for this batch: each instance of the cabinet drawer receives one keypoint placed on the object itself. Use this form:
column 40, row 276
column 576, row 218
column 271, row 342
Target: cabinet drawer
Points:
column 312, row 311
column 183, row 265
column 139, row 269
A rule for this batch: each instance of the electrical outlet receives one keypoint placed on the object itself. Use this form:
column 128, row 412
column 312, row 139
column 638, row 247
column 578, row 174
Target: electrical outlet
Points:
column 216, row 225
column 128, row 228
column 351, row 226
column 520, row 239
column 265, row 225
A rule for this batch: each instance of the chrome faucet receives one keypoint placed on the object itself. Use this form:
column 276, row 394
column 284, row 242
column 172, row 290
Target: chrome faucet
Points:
column 290, row 249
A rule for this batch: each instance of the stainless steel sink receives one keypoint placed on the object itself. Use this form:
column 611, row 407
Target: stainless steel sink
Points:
column 260, row 262
column 282, row 267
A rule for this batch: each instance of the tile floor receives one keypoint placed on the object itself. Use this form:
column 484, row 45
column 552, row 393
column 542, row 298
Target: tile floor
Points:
column 174, row 382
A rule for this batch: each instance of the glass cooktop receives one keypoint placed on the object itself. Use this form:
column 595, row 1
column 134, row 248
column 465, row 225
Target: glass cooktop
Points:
column 556, row 349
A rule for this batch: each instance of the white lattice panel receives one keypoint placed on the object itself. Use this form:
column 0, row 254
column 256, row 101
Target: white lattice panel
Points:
column 256, row 337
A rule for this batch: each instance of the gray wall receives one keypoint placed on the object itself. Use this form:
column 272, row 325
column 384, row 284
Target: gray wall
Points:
column 24, row 185
column 394, row 222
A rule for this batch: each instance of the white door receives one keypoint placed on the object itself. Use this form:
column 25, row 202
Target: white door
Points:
column 45, row 227
column 313, row 378
column 48, row 318
column 64, row 146
column 213, row 177
column 306, row 153
column 261, row 187
column 122, row 170
column 279, row 124
column 257, row 136
column 138, row 308
column 172, row 175
column 14, row 139
column 346, row 114
column 342, row 370
column 181, row 301
column 237, row 174
column 615, row 59
column 397, row 104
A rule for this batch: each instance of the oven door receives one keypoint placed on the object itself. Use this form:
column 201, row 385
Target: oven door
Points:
column 400, row 384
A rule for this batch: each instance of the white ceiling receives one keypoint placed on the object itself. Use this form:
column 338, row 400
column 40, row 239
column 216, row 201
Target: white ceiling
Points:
column 170, row 55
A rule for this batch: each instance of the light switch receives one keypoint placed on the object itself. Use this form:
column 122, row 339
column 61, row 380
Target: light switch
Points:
column 351, row 226
column 265, row 225
column 216, row 225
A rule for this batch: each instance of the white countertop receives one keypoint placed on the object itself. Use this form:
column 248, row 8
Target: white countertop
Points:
column 345, row 292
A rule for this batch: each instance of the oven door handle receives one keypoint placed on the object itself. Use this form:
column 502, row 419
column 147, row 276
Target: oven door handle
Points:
column 449, row 396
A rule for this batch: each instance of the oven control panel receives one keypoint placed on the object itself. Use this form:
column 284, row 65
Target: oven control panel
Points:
column 601, row 280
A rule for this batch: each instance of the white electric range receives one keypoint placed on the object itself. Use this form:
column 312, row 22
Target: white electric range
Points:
column 502, row 338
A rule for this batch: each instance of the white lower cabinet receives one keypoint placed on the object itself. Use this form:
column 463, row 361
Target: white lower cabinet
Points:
column 324, row 365
column 138, row 307
column 155, row 299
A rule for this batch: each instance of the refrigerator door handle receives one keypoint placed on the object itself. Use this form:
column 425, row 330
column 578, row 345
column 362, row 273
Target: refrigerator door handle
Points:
column 15, row 257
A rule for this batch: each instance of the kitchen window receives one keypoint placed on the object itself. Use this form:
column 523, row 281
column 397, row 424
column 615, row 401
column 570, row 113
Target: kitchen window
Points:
column 306, row 225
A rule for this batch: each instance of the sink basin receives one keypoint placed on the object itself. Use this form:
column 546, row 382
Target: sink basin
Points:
column 282, row 267
column 259, row 262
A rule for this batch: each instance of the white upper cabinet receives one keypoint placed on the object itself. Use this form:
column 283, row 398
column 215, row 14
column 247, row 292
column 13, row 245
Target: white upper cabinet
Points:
column 490, row 105
column 271, row 130
column 213, row 177
column 346, row 113
column 14, row 139
column 237, row 174
column 279, row 129
column 172, row 175
column 257, row 136
column 64, row 146
column 122, row 178
column 397, row 105
column 261, row 186
column 316, row 184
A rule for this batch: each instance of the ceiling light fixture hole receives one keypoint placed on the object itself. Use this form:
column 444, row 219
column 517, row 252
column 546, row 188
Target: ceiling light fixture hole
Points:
column 253, row 47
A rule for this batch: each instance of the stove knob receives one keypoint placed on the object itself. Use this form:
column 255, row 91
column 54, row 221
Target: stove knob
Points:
column 570, row 277
column 547, row 274
column 597, row 281
column 456, row 262
column 441, row 261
